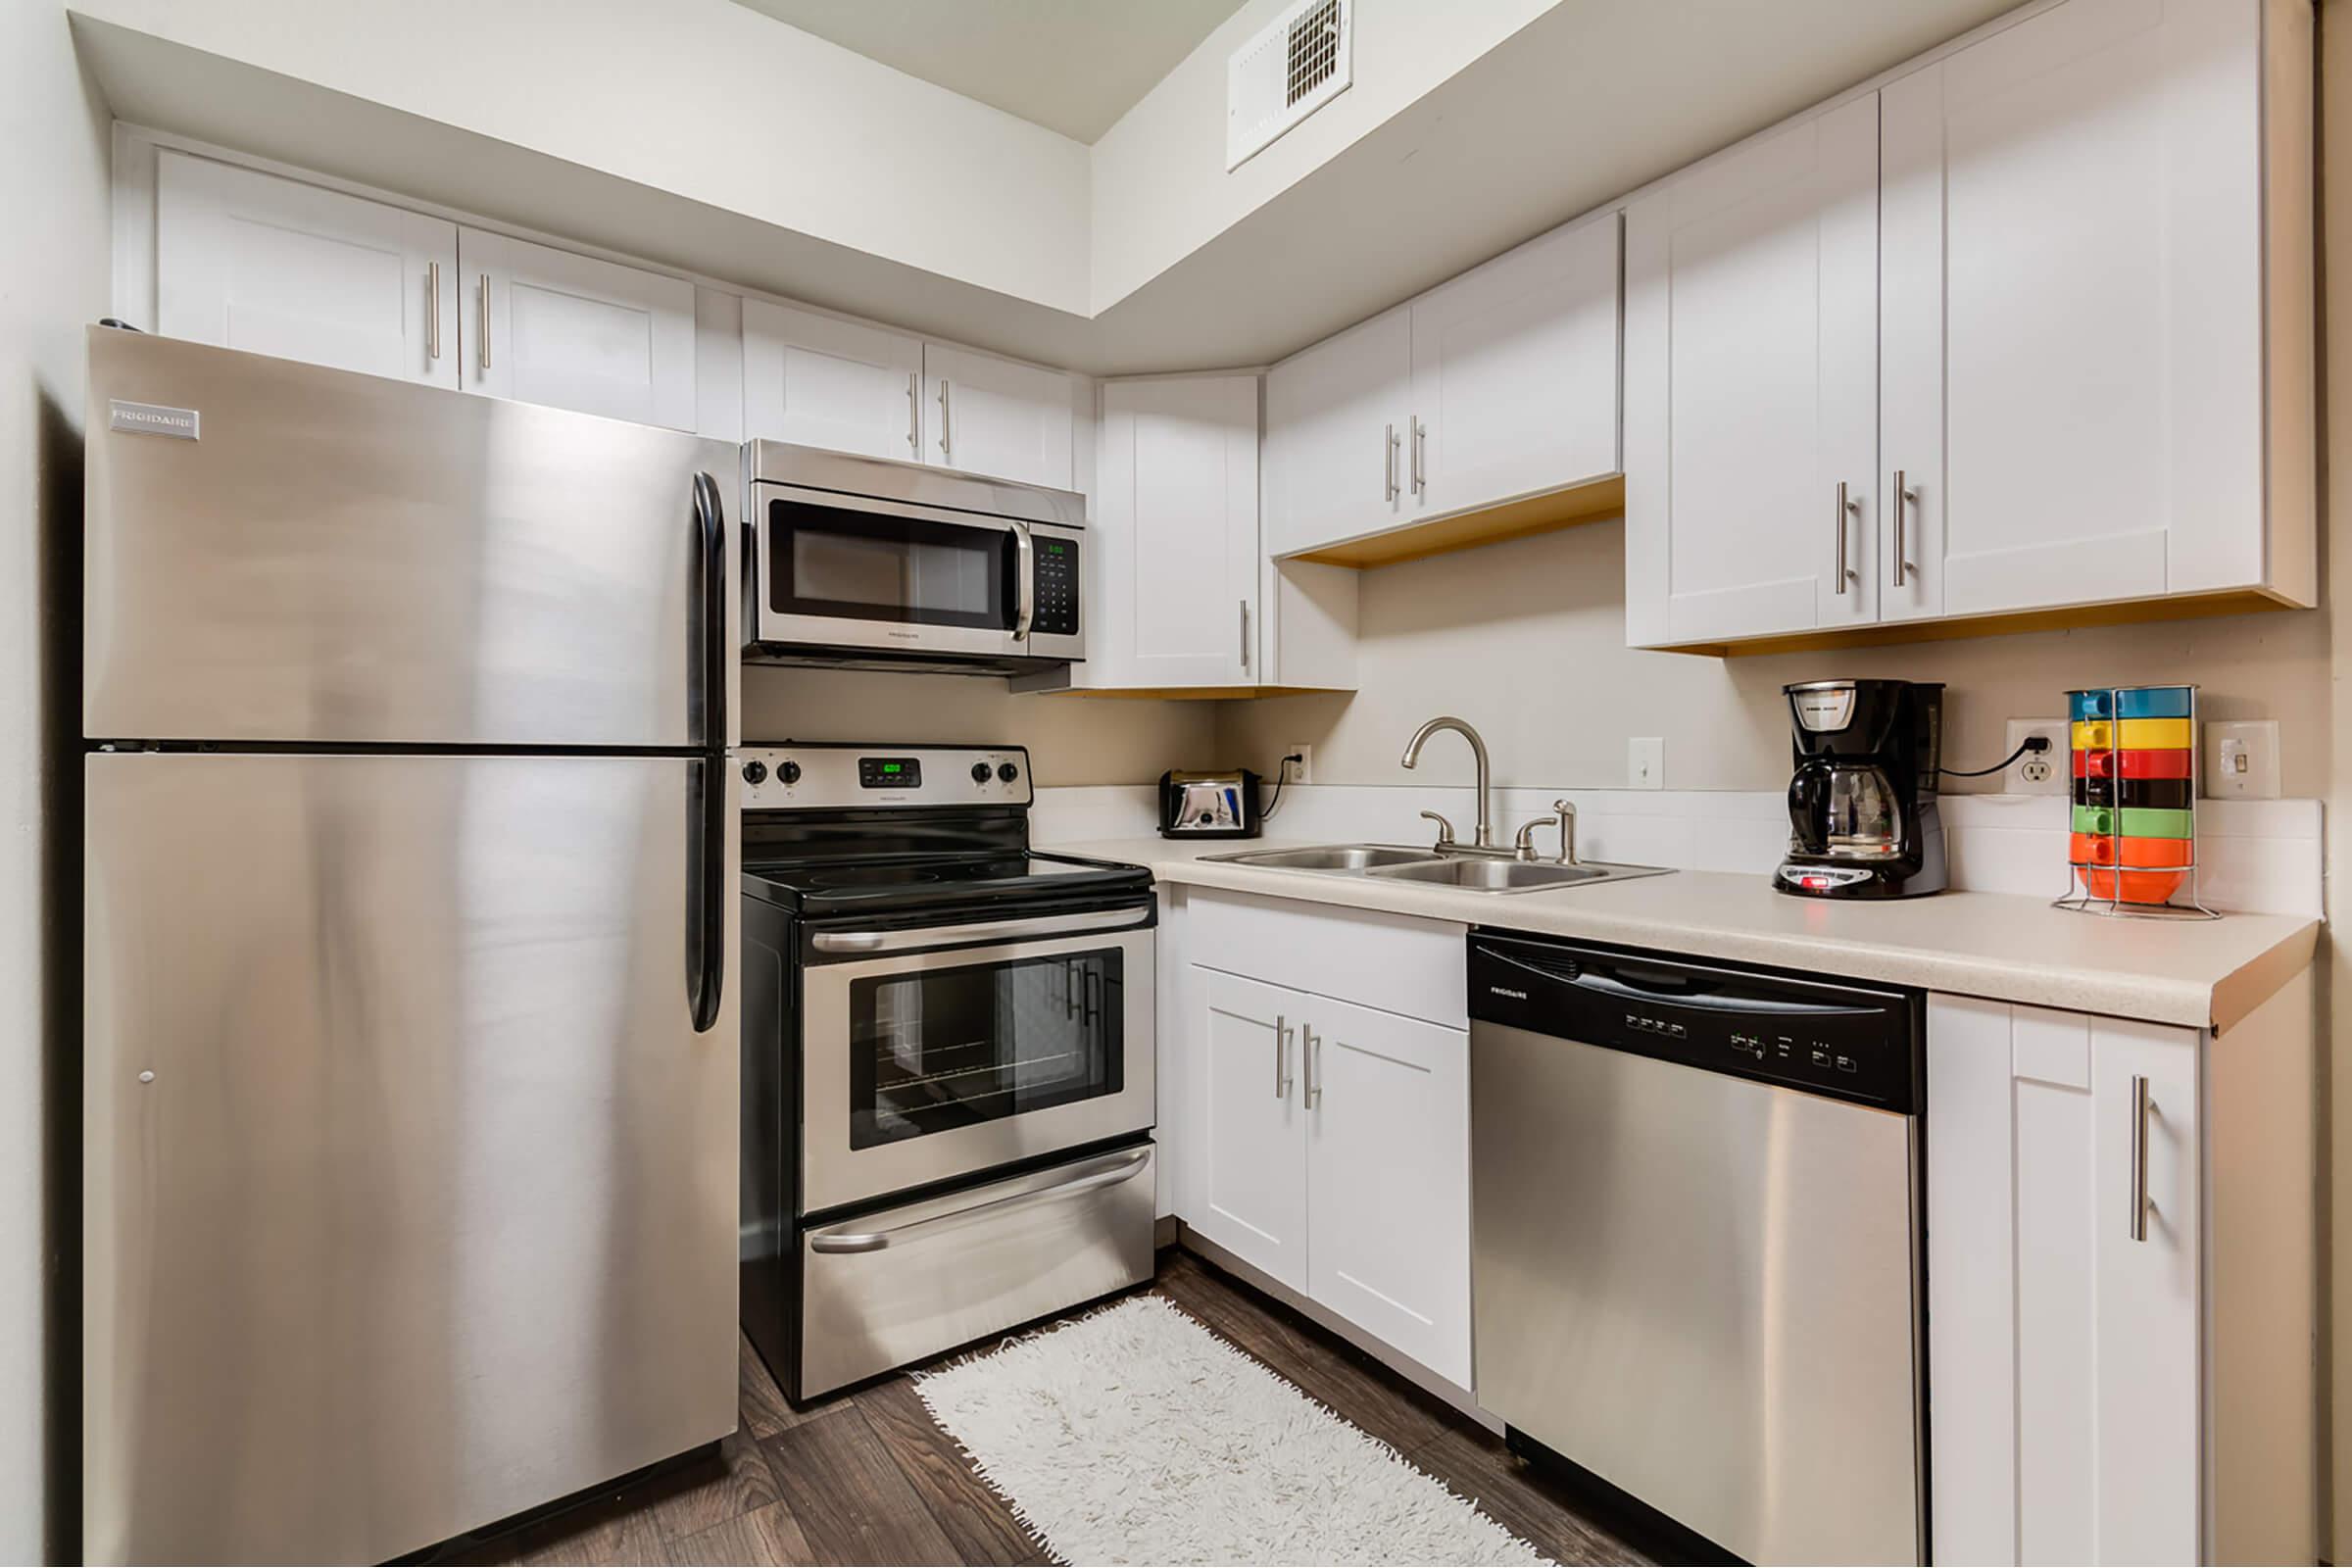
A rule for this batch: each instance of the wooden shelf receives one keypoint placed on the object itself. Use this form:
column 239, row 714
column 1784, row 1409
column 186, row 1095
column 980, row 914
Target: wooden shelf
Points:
column 1591, row 502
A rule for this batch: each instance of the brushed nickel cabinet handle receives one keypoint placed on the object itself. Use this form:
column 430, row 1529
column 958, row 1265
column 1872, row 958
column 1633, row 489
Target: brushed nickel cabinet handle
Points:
column 946, row 449
column 482, row 315
column 1282, row 1057
column 1387, row 469
column 432, row 294
column 1311, row 1044
column 1902, row 496
column 914, row 400
column 1420, row 447
column 1244, row 634
column 2141, row 1105
column 1845, row 509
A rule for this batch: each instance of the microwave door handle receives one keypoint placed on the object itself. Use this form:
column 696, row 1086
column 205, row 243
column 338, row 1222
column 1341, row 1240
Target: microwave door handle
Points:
column 1044, row 925
column 1024, row 554
column 708, row 907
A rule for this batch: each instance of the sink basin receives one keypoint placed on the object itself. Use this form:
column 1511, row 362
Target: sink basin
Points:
column 1331, row 857
column 1504, row 876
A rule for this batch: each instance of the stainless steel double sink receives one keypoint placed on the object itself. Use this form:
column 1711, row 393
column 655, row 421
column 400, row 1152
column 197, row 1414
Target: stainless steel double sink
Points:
column 1478, row 871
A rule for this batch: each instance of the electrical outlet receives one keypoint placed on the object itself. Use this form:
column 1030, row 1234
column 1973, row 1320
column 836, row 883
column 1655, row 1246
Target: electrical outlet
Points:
column 2038, row 773
column 1303, row 772
column 1645, row 762
column 2241, row 759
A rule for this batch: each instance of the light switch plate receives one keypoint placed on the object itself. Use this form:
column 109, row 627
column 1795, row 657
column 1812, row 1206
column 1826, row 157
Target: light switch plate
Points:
column 1645, row 762
column 2241, row 759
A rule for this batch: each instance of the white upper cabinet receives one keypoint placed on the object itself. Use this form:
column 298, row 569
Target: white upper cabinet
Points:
column 1336, row 426
column 2075, row 313
column 1175, row 534
column 1751, row 388
column 250, row 260
column 1514, row 378
column 545, row 325
column 989, row 416
column 821, row 381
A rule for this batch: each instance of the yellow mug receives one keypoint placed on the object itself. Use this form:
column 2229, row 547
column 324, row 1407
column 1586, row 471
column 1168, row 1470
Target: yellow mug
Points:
column 2133, row 734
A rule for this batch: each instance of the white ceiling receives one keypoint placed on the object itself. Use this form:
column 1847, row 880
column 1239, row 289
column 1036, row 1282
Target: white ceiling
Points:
column 1071, row 65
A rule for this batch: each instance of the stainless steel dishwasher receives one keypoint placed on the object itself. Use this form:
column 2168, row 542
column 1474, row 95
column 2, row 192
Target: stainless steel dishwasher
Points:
column 1696, row 1245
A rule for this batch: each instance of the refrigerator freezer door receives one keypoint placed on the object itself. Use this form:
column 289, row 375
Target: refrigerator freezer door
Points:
column 410, row 1189
column 345, row 559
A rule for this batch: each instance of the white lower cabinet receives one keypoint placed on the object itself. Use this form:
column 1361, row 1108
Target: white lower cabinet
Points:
column 1326, row 1143
column 2121, row 1318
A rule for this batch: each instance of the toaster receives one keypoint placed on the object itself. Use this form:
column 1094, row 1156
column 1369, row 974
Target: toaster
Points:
column 1222, row 805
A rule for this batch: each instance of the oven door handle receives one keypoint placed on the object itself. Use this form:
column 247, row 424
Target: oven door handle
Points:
column 1087, row 1178
column 932, row 936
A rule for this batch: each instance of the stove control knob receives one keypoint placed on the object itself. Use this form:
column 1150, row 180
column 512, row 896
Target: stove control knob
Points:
column 789, row 773
column 1008, row 773
column 755, row 772
column 979, row 772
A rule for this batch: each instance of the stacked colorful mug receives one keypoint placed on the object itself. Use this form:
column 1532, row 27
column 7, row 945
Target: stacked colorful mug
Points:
column 2134, row 758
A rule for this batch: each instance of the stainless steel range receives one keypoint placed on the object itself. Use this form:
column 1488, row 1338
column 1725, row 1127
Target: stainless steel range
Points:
column 947, row 1060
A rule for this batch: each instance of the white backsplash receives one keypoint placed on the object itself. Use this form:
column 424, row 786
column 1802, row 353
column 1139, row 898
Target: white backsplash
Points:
column 2252, row 854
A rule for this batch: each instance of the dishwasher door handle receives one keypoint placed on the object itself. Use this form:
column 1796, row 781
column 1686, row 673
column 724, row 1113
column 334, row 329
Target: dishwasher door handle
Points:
column 1703, row 1001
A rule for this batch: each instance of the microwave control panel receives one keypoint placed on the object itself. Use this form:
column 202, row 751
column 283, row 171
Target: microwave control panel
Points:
column 1056, row 589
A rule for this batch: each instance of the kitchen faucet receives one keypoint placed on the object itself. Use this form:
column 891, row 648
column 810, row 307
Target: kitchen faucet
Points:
column 1485, row 838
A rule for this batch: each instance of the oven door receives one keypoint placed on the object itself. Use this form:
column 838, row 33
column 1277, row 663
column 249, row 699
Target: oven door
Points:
column 844, row 571
column 925, row 1062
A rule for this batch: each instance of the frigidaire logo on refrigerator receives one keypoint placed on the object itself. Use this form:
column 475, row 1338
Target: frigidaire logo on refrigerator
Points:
column 150, row 419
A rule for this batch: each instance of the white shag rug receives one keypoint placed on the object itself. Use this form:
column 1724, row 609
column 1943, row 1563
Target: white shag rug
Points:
column 1136, row 1436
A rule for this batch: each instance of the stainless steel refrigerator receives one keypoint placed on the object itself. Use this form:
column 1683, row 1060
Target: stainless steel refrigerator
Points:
column 411, row 834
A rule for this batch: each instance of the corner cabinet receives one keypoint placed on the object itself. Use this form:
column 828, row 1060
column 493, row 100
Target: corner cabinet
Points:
column 2122, row 1287
column 1184, row 603
column 1325, row 1141
column 2029, row 328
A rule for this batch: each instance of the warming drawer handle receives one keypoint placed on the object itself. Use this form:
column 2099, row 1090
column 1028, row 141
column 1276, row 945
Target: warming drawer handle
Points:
column 1087, row 1179
column 932, row 936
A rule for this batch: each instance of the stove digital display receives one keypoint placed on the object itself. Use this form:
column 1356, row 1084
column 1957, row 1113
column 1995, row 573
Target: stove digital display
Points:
column 890, row 773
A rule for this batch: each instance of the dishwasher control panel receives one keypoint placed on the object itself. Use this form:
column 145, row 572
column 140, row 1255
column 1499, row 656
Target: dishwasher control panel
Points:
column 1858, row 1043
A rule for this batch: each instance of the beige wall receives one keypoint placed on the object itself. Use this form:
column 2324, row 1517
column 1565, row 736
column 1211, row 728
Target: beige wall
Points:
column 2335, row 973
column 1072, row 740
column 1527, row 641
column 53, row 279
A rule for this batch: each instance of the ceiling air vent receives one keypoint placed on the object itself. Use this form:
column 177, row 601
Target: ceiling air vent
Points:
column 1294, row 68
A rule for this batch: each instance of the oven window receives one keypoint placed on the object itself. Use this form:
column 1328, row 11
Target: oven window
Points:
column 868, row 565
column 935, row 1049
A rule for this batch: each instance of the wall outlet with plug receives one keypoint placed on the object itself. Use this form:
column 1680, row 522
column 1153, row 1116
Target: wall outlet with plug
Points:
column 1303, row 772
column 2042, row 772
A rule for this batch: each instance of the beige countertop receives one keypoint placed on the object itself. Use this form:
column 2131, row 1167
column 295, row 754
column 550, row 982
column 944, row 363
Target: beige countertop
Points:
column 2202, row 973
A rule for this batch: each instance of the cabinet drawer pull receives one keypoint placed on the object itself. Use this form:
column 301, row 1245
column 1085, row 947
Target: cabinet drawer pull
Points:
column 2141, row 1105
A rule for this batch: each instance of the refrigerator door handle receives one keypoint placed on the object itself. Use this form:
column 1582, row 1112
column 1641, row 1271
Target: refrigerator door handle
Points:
column 709, row 907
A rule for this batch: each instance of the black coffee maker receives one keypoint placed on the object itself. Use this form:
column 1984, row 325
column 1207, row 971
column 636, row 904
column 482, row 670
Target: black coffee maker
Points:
column 1863, row 822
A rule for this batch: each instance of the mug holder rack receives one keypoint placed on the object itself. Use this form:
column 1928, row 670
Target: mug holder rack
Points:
column 2079, row 895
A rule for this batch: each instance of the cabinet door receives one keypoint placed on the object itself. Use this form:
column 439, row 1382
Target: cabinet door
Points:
column 545, row 325
column 824, row 382
column 1175, row 540
column 1752, row 389
column 249, row 261
column 1515, row 374
column 2064, row 1347
column 1336, row 426
column 1388, row 1113
column 2074, row 296
column 994, row 416
column 1251, row 1188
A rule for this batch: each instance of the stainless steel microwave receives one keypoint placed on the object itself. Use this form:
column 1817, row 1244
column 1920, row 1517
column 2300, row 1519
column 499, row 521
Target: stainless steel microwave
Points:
column 868, row 563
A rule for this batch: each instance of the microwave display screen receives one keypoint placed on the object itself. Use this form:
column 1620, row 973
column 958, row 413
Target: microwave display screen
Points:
column 865, row 565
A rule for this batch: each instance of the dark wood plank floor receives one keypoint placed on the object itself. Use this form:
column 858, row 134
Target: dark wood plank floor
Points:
column 868, row 1477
